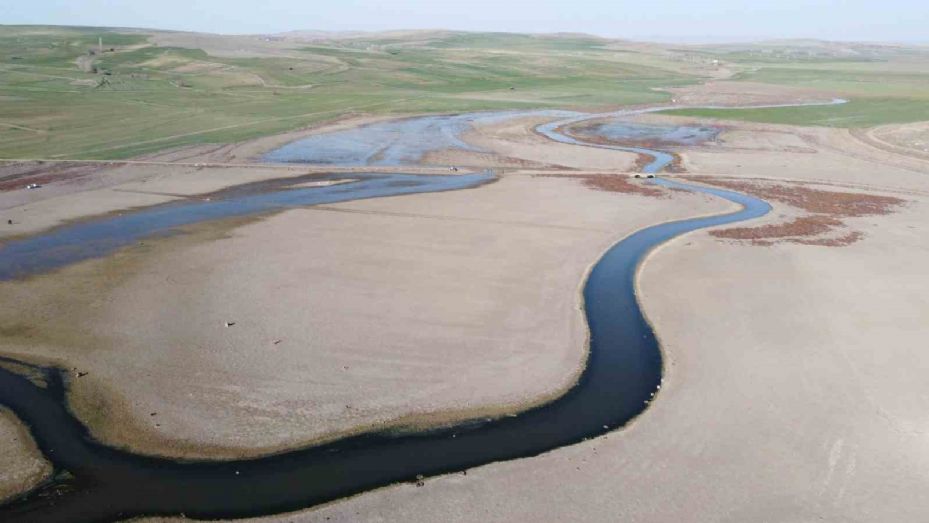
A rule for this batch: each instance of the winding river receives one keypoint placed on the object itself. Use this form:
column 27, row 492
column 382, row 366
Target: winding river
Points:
column 69, row 244
column 95, row 482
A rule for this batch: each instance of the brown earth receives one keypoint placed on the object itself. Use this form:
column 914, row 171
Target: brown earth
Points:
column 482, row 333
column 825, row 210
column 17, row 175
column 911, row 139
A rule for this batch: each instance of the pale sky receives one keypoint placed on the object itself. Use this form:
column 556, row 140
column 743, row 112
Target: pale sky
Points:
column 707, row 20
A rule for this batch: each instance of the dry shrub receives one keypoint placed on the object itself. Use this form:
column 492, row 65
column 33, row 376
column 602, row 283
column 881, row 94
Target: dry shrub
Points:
column 826, row 211
column 818, row 201
column 813, row 225
column 616, row 183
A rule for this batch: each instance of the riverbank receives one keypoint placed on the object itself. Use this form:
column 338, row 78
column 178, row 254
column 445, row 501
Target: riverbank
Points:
column 817, row 431
column 466, row 262
column 811, row 154
column 21, row 464
column 775, row 405
column 368, row 260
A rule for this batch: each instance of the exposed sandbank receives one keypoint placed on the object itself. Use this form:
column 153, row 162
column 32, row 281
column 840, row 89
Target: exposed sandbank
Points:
column 409, row 310
column 21, row 464
column 794, row 391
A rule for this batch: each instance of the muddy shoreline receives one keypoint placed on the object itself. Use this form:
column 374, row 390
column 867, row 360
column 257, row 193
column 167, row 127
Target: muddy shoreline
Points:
column 109, row 483
column 611, row 424
column 98, row 237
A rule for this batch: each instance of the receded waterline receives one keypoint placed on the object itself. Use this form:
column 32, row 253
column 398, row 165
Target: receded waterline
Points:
column 623, row 371
column 621, row 377
column 99, row 237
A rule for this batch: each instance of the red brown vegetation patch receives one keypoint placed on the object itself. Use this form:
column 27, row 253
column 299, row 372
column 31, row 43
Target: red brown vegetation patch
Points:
column 840, row 241
column 813, row 225
column 677, row 165
column 616, row 183
column 845, row 204
column 641, row 160
column 826, row 211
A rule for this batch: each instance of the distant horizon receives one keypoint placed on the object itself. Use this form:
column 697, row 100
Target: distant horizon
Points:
column 659, row 39
column 661, row 21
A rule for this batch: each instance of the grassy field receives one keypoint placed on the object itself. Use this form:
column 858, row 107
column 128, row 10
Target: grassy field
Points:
column 151, row 90
column 146, row 95
column 859, row 112
column 886, row 84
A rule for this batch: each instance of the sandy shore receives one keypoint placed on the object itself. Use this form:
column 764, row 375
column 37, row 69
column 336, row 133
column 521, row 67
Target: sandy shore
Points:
column 409, row 310
column 794, row 385
column 776, row 406
column 121, row 188
column 80, row 189
column 516, row 138
column 805, row 153
column 794, row 391
column 795, row 374
column 910, row 139
column 21, row 464
column 107, row 189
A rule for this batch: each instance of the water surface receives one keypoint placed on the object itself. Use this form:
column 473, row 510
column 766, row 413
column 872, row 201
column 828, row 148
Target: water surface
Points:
column 394, row 142
column 552, row 130
column 622, row 376
column 101, row 236
column 104, row 483
column 617, row 130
